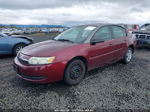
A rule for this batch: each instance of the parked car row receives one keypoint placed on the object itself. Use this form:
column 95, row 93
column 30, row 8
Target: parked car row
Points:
column 74, row 52
column 11, row 31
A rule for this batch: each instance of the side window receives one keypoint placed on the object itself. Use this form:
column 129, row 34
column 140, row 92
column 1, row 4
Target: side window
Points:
column 118, row 32
column 102, row 34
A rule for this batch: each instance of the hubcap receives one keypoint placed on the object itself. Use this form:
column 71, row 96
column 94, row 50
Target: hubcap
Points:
column 129, row 55
column 76, row 72
column 18, row 49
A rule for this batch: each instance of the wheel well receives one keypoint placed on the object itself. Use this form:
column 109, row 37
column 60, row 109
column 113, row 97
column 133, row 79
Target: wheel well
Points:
column 82, row 59
column 132, row 47
column 16, row 45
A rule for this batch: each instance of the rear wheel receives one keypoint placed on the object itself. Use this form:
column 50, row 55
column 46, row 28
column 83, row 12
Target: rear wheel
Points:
column 17, row 48
column 128, row 55
column 74, row 72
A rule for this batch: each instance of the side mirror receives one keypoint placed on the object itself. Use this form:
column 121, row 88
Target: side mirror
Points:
column 93, row 42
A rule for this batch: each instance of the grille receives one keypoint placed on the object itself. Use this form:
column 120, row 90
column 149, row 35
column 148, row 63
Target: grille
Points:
column 148, row 37
column 137, row 36
column 142, row 36
column 32, row 77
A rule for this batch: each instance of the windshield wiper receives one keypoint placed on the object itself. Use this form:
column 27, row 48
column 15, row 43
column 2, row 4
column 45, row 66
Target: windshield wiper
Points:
column 65, row 40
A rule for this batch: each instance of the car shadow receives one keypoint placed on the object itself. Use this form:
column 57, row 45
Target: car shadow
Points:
column 6, row 56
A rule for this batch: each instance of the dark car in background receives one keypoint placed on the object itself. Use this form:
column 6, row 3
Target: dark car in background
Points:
column 13, row 44
column 77, row 50
column 143, row 36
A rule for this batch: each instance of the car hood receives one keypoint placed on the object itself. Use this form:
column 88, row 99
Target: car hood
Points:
column 20, row 36
column 46, row 48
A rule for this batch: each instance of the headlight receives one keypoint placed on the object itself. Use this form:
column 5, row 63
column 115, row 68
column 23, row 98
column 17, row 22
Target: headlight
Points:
column 41, row 60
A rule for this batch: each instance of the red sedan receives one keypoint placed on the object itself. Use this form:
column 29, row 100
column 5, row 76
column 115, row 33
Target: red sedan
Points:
column 69, row 55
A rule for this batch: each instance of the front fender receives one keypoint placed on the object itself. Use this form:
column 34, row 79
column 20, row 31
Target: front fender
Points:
column 68, row 54
column 16, row 41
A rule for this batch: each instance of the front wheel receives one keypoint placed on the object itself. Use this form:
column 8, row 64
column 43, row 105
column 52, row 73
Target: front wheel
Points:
column 17, row 48
column 128, row 56
column 74, row 72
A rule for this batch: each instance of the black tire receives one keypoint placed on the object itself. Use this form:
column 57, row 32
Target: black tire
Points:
column 74, row 72
column 17, row 48
column 128, row 56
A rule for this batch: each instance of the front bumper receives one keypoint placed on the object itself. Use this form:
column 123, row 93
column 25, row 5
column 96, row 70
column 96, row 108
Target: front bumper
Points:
column 143, row 43
column 40, row 74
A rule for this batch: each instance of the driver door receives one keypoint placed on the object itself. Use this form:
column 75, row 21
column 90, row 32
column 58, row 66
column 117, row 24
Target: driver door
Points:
column 101, row 53
column 4, row 45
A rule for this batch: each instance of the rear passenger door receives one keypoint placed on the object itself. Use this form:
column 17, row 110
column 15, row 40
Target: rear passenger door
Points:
column 119, row 40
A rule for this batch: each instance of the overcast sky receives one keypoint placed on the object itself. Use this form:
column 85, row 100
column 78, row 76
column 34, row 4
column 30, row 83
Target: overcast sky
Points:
column 74, row 12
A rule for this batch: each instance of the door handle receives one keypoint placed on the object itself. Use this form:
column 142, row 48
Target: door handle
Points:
column 110, row 44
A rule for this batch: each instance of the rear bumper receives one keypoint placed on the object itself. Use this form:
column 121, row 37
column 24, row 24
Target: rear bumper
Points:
column 40, row 74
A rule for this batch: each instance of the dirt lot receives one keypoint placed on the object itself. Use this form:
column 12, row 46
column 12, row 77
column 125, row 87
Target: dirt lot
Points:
column 115, row 86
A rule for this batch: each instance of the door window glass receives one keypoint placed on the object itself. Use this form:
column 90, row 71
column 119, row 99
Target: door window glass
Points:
column 102, row 34
column 118, row 32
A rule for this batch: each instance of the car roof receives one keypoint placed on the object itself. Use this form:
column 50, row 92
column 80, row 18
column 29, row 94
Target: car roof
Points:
column 100, row 24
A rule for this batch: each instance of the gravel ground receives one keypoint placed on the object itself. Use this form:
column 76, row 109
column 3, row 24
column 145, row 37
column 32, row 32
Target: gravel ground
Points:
column 115, row 86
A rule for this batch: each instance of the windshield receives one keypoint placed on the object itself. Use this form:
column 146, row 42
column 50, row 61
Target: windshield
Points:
column 145, row 27
column 76, row 34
